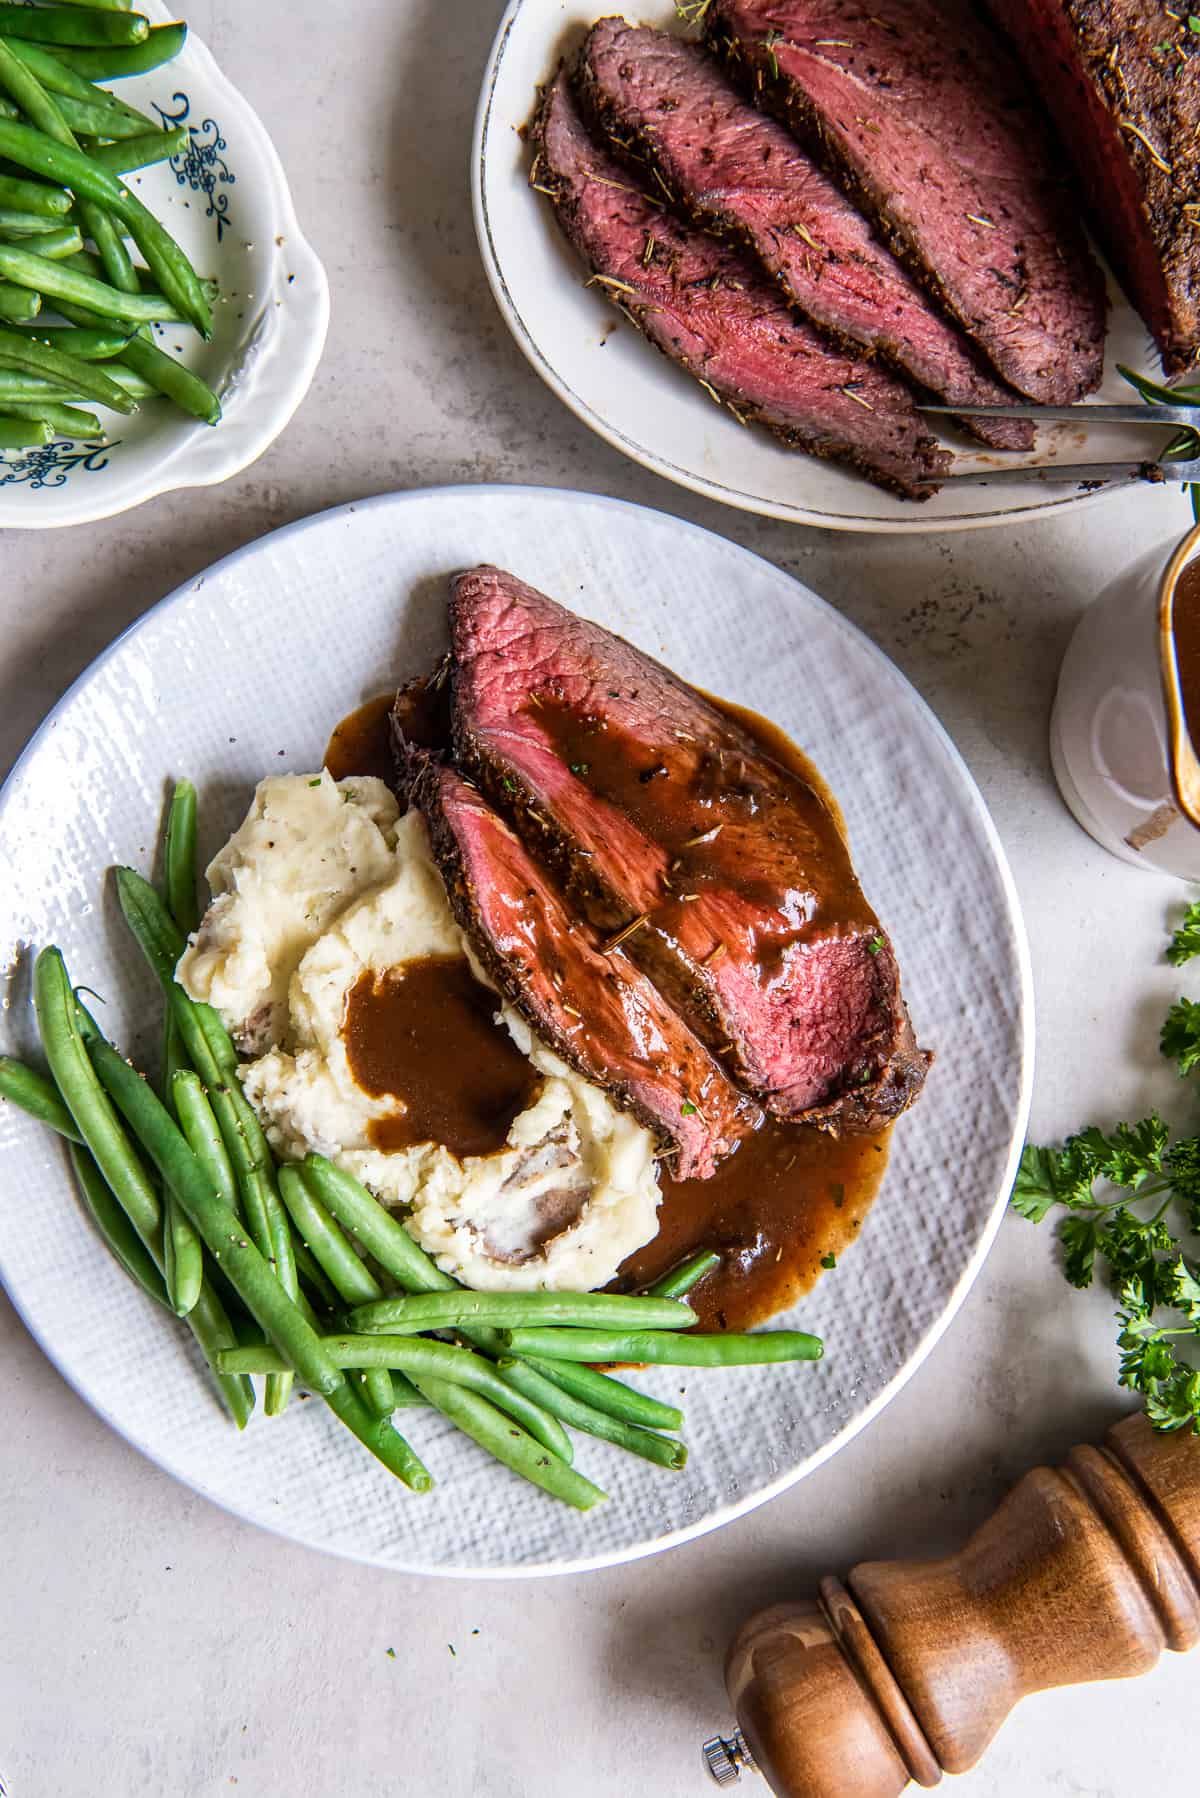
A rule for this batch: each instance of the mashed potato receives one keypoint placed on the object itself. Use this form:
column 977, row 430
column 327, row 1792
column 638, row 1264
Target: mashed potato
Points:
column 323, row 883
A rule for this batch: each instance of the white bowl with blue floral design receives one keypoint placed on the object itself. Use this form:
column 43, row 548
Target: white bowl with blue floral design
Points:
column 226, row 201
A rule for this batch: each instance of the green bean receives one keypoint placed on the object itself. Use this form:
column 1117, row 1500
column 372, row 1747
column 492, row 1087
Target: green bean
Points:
column 179, row 857
column 22, row 353
column 663, row 1450
column 54, row 245
column 507, row 1310
column 163, row 43
column 199, row 1126
column 183, row 1257
column 34, row 1093
column 170, row 377
column 389, row 1242
column 91, row 120
column 313, row 1275
column 34, row 150
column 603, row 1393
column 100, row 5
column 81, row 1092
column 64, row 421
column 116, row 1228
column 141, row 152
column 162, row 942
column 54, row 75
column 24, row 269
column 59, row 119
column 66, row 25
column 23, row 433
column 24, row 390
column 89, row 346
column 33, row 197
column 251, row 1276
column 27, row 224
column 351, row 1279
column 666, row 1348
column 17, row 305
column 378, row 1231
column 501, row 1437
column 680, row 1280
column 134, row 386
column 417, row 1358
column 58, row 1015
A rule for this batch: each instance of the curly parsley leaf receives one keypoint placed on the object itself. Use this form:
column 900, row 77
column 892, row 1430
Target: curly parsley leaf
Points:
column 1037, row 1185
column 1186, row 941
column 1078, row 1236
column 1180, row 1038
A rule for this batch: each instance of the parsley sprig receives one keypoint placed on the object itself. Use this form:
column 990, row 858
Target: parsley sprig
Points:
column 1130, row 1196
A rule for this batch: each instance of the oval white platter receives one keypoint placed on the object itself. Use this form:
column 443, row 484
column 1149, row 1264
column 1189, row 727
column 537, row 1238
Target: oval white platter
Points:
column 620, row 386
column 226, row 201
column 243, row 672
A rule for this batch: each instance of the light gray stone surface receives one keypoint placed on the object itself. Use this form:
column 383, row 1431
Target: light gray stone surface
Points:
column 151, row 1645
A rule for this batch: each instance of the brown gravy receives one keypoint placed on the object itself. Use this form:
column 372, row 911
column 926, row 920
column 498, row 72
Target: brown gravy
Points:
column 1185, row 629
column 787, row 1201
column 426, row 1034
column 362, row 742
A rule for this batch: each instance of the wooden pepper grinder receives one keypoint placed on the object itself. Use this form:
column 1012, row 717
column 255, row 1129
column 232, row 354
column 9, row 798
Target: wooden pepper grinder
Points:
column 1086, row 1571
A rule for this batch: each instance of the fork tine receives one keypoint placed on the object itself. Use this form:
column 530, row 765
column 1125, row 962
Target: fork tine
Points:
column 1102, row 473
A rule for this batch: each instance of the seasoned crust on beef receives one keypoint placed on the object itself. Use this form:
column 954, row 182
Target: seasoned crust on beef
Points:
column 1121, row 79
column 918, row 109
column 665, row 107
column 712, row 311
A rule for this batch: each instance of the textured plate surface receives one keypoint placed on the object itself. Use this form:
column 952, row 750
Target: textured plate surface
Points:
column 612, row 379
column 227, row 203
column 243, row 672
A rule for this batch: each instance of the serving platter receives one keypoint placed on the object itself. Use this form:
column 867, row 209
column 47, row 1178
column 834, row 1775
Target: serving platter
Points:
column 227, row 203
column 622, row 388
column 243, row 672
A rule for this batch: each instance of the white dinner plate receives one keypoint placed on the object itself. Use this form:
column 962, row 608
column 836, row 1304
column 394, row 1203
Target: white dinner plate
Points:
column 226, row 201
column 242, row 673
column 629, row 393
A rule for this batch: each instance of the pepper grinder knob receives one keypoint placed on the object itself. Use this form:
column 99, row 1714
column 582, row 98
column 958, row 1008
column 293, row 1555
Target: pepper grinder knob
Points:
column 725, row 1756
column 1085, row 1572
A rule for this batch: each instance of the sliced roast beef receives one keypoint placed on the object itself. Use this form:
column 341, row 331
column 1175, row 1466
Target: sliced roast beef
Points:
column 928, row 122
column 713, row 311
column 597, row 1011
column 1121, row 79
column 718, row 870
column 662, row 100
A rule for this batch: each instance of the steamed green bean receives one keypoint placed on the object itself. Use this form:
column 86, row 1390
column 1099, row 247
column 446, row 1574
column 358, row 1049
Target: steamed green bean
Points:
column 33, row 197
column 86, row 379
column 666, row 1347
column 33, row 1093
column 251, row 1276
column 501, row 1310
column 73, row 26
column 162, row 44
column 500, row 1436
column 665, row 1451
column 64, row 421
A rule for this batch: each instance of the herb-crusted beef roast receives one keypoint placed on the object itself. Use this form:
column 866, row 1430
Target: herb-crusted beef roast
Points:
column 713, row 311
column 1121, row 78
column 597, row 1011
column 664, row 101
column 920, row 111
column 720, row 872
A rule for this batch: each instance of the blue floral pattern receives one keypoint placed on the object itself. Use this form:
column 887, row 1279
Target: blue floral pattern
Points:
column 201, row 166
column 49, row 465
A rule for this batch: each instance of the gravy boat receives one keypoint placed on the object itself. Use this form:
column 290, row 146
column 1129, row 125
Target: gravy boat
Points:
column 1120, row 746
